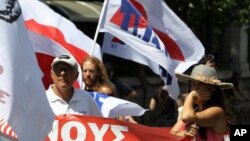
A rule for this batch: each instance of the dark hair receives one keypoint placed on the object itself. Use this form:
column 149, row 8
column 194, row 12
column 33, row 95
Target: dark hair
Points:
column 164, row 100
column 215, row 100
column 162, row 96
column 165, row 113
column 207, row 57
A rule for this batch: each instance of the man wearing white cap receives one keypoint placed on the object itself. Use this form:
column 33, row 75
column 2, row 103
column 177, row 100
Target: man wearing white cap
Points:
column 62, row 96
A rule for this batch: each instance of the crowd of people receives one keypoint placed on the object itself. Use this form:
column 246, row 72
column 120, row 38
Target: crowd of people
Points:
column 199, row 114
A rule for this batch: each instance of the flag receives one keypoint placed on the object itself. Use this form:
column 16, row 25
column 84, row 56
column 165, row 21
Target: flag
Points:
column 23, row 103
column 177, row 42
column 53, row 35
column 6, row 130
column 114, row 107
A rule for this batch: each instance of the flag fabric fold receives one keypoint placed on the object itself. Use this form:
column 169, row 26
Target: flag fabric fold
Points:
column 150, row 34
column 112, row 107
column 53, row 35
column 23, row 103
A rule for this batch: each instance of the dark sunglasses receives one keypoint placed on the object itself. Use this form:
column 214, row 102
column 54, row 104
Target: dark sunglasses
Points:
column 58, row 68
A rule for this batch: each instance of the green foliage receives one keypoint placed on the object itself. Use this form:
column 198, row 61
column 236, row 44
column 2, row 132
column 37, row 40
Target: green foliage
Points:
column 210, row 19
column 224, row 12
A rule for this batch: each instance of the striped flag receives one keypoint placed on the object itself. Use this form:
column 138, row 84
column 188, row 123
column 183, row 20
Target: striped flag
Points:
column 53, row 35
column 23, row 103
column 6, row 130
column 150, row 34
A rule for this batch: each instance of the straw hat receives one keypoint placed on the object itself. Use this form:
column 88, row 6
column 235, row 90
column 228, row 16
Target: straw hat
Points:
column 204, row 74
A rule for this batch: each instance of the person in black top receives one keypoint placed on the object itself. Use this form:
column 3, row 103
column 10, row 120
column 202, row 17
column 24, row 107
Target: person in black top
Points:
column 124, row 90
column 163, row 109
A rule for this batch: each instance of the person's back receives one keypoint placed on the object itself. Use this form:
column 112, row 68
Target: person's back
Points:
column 124, row 90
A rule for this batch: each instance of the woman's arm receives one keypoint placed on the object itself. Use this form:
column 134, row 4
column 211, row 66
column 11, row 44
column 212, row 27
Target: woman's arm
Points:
column 190, row 130
column 176, row 129
column 188, row 113
column 210, row 117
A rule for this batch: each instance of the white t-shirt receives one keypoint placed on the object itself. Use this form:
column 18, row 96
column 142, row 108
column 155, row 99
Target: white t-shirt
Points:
column 81, row 103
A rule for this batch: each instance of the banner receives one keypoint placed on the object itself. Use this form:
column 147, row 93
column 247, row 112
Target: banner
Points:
column 22, row 96
column 152, row 23
column 87, row 128
column 53, row 35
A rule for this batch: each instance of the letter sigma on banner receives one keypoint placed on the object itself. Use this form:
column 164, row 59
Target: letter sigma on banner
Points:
column 87, row 128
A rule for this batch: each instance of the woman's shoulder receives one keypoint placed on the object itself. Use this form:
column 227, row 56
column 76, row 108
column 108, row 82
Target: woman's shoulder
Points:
column 220, row 119
column 213, row 113
column 215, row 109
column 211, row 117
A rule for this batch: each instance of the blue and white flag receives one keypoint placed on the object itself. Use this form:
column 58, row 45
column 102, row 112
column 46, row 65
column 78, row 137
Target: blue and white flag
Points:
column 114, row 107
column 150, row 34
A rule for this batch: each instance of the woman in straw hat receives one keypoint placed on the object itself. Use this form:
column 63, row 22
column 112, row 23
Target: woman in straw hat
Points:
column 203, row 116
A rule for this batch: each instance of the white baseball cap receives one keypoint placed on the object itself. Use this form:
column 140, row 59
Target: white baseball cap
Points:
column 66, row 59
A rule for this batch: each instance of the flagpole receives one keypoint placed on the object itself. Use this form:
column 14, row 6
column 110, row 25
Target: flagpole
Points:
column 98, row 26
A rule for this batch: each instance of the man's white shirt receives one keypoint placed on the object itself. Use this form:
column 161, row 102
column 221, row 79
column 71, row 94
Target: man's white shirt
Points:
column 81, row 103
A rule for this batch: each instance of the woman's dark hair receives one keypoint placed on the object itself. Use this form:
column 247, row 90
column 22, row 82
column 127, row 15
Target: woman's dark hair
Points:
column 207, row 57
column 162, row 97
column 165, row 102
column 215, row 100
column 165, row 113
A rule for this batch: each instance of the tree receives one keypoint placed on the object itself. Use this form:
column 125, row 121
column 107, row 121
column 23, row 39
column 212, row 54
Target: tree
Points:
column 209, row 19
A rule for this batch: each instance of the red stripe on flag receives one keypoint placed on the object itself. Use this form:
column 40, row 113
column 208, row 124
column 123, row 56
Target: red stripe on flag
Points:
column 44, row 62
column 55, row 34
column 171, row 46
column 6, row 130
